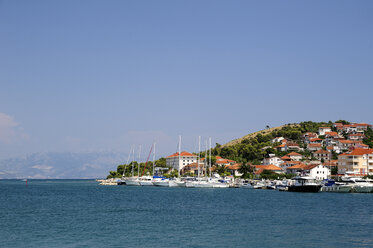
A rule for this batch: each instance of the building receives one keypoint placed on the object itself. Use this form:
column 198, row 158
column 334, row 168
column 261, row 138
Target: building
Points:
column 331, row 138
column 291, row 146
column 277, row 139
column 356, row 128
column 178, row 162
column 317, row 171
column 315, row 141
column 295, row 156
column 314, row 147
column 308, row 136
column 322, row 154
column 357, row 161
column 260, row 168
column 272, row 160
column 234, row 169
column 323, row 130
column 356, row 136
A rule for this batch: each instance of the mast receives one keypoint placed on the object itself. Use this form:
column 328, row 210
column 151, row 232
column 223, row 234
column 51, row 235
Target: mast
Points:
column 178, row 168
column 153, row 158
column 138, row 165
column 133, row 156
column 210, row 157
column 205, row 163
column 128, row 159
column 199, row 150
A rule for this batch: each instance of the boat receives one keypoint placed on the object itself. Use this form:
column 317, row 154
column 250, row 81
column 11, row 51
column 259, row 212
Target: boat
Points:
column 359, row 185
column 132, row 181
column 336, row 187
column 245, row 185
column 304, row 184
column 146, row 181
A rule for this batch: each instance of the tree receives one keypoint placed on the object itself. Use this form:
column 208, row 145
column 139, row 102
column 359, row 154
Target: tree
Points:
column 246, row 169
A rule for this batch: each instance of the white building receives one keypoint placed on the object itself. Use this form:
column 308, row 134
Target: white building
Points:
column 323, row 130
column 178, row 162
column 295, row 156
column 319, row 172
column 272, row 160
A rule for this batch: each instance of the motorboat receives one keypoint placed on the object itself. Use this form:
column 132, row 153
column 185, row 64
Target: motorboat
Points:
column 336, row 187
column 304, row 184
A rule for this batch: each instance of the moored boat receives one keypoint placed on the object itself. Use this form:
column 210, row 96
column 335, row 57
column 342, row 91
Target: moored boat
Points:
column 304, row 184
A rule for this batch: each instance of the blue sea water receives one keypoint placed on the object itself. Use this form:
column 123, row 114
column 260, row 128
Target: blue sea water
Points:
column 80, row 213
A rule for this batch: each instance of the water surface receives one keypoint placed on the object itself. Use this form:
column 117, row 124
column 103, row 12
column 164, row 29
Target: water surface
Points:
column 80, row 213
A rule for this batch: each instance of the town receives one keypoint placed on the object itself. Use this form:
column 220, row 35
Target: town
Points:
column 332, row 151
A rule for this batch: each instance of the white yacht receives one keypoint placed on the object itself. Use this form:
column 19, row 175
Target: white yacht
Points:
column 359, row 185
column 146, row 181
column 132, row 181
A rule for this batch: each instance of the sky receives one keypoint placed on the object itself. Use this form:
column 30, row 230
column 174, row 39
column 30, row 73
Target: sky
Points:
column 78, row 76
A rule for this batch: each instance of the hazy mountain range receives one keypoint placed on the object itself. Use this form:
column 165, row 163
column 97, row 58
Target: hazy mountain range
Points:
column 61, row 165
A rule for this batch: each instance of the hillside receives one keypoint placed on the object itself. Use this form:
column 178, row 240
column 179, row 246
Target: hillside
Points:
column 262, row 132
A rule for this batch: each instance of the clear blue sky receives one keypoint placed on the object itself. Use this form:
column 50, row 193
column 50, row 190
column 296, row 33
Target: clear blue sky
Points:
column 101, row 75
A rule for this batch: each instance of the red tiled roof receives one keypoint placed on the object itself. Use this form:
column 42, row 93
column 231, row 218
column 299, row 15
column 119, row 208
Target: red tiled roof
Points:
column 322, row 152
column 234, row 166
column 315, row 139
column 268, row 167
column 294, row 154
column 358, row 152
column 285, row 157
column 314, row 145
column 182, row 154
column 331, row 133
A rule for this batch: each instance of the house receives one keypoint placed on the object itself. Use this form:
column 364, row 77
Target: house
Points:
column 356, row 136
column 234, row 169
column 336, row 149
column 225, row 162
column 331, row 138
column 308, row 136
column 178, row 161
column 316, row 171
column 291, row 146
column 285, row 158
column 358, row 161
column 295, row 156
column 277, row 139
column 193, row 168
column 295, row 169
column 347, row 144
column 356, row 127
column 260, row 168
column 272, row 160
column 322, row 154
column 281, row 148
column 314, row 147
column 315, row 141
column 323, row 130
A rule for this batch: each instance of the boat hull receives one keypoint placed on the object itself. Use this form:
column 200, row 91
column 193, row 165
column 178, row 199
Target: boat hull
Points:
column 305, row 188
column 146, row 183
column 130, row 182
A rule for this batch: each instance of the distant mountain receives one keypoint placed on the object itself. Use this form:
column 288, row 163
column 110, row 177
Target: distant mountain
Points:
column 61, row 165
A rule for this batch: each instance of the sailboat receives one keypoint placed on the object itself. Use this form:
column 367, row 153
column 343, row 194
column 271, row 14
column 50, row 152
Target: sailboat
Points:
column 133, row 181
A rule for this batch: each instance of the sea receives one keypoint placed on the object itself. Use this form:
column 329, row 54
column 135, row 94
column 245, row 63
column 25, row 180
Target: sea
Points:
column 81, row 213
